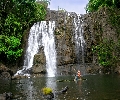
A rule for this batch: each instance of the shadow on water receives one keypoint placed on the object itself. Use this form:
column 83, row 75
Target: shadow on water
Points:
column 96, row 87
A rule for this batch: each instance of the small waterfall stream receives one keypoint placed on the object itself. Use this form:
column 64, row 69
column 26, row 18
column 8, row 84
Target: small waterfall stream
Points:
column 41, row 34
column 79, row 42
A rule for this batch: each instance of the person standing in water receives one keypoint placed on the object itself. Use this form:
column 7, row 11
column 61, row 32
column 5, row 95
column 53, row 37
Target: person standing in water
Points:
column 78, row 76
column 79, row 73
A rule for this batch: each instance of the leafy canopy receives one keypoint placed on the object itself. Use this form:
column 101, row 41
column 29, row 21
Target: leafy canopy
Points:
column 16, row 16
column 94, row 5
column 105, row 51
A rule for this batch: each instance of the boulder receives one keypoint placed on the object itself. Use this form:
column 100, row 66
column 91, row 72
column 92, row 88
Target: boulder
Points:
column 5, row 72
column 39, row 63
column 62, row 91
column 5, row 75
column 6, row 96
column 50, row 96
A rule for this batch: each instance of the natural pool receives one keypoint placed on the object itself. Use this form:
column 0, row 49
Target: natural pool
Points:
column 96, row 87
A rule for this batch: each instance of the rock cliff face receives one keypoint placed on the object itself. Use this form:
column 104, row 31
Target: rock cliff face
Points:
column 39, row 63
column 5, row 73
column 96, row 27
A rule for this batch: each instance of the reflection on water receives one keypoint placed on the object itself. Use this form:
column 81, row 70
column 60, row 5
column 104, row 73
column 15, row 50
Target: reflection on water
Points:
column 51, row 82
column 96, row 87
column 28, row 89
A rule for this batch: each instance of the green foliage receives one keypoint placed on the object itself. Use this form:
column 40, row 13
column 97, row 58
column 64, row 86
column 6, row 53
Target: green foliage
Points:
column 16, row 16
column 44, row 2
column 9, row 46
column 114, row 19
column 46, row 90
column 94, row 5
column 12, row 26
column 40, row 12
column 105, row 52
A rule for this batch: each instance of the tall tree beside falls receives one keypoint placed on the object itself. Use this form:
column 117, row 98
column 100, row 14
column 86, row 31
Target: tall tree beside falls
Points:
column 15, row 17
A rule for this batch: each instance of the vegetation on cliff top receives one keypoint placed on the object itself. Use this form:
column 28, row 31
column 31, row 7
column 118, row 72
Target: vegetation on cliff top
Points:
column 16, row 16
column 94, row 5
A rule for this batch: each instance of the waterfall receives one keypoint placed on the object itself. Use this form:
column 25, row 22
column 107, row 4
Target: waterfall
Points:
column 79, row 39
column 49, row 48
column 41, row 34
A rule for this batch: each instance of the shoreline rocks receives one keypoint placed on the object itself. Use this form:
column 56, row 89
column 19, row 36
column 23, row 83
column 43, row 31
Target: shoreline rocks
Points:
column 6, row 96
column 5, row 73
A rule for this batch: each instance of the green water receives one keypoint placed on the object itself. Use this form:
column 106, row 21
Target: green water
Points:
column 96, row 87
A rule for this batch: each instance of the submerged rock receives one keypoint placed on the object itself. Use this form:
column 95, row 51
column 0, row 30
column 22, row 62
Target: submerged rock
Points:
column 50, row 96
column 64, row 90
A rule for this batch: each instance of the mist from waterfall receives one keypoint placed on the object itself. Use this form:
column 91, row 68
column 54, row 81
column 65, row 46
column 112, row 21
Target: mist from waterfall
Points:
column 41, row 34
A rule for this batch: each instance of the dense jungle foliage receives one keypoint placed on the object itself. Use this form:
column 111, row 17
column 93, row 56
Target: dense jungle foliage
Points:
column 107, row 50
column 95, row 5
column 15, row 17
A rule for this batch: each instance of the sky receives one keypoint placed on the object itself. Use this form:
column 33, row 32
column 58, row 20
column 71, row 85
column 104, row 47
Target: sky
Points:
column 77, row 6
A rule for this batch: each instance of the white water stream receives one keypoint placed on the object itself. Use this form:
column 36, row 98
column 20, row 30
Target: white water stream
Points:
column 79, row 39
column 41, row 34
column 79, row 43
column 49, row 48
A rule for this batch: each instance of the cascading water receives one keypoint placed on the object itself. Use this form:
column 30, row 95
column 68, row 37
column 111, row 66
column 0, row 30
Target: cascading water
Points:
column 49, row 48
column 41, row 34
column 34, row 41
column 79, row 40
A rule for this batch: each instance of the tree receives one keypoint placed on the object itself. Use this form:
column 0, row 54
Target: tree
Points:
column 94, row 5
column 15, row 17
